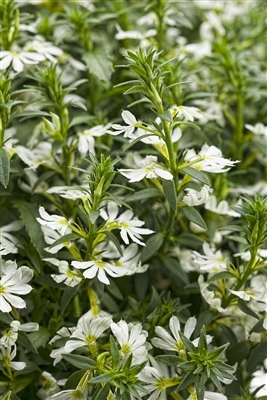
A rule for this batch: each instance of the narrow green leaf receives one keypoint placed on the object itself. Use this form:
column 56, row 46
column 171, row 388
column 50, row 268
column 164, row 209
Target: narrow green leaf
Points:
column 166, row 116
column 152, row 246
column 115, row 241
column 68, row 294
column 94, row 214
column 65, row 238
column 103, row 393
column 242, row 304
column 195, row 173
column 4, row 167
column 175, row 268
column 78, row 104
column 221, row 275
column 74, row 379
column 80, row 362
column 170, row 193
column 101, row 378
column 187, row 380
column 236, row 228
column 238, row 239
column 129, row 145
column 172, row 361
column 114, row 352
column 145, row 194
column 29, row 212
column 193, row 215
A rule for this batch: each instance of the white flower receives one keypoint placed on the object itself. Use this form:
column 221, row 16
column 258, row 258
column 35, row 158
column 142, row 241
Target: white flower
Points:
column 87, row 332
column 199, row 50
column 125, row 222
column 185, row 258
column 212, row 160
column 195, row 197
column 188, row 113
column 132, row 340
column 149, row 169
column 46, row 49
column 134, row 34
column 86, row 138
column 211, row 297
column 258, row 129
column 100, row 268
column 11, row 335
column 40, row 155
column 221, row 208
column 212, row 261
column 55, row 222
column 49, row 386
column 13, row 280
column 158, row 377
column 17, row 58
column 166, row 342
column 7, row 355
column 8, row 242
column 131, row 260
column 61, row 334
column 131, row 122
column 69, row 277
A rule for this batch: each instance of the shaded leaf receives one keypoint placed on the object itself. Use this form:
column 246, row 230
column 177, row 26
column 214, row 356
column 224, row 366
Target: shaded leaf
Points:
column 4, row 167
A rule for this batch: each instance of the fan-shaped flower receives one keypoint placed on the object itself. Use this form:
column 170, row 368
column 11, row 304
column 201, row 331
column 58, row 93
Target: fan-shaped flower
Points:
column 149, row 169
column 132, row 340
column 13, row 282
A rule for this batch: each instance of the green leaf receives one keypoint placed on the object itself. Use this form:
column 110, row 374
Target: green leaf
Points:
column 242, row 304
column 257, row 356
column 238, row 239
column 5, row 318
column 175, row 268
column 81, row 362
column 221, row 275
column 114, row 352
column 99, row 65
column 39, row 338
column 193, row 215
column 172, row 361
column 77, row 104
column 29, row 114
column 238, row 352
column 188, row 380
column 101, row 378
column 25, row 342
column 236, row 228
column 129, row 145
column 181, row 20
column 74, row 379
column 28, row 213
column 115, row 241
column 4, row 167
column 94, row 214
column 166, row 116
column 68, row 294
column 195, row 173
column 152, row 246
column 102, row 394
column 170, row 193
column 65, row 238
column 144, row 194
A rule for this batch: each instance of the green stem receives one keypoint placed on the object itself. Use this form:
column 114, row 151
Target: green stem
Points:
column 238, row 134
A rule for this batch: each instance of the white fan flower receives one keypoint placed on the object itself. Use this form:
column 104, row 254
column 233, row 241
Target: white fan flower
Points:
column 212, row 261
column 211, row 160
column 131, row 122
column 149, row 169
column 132, row 340
column 87, row 332
column 13, row 282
